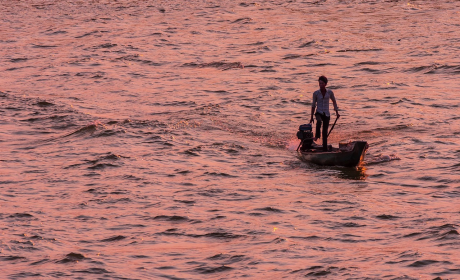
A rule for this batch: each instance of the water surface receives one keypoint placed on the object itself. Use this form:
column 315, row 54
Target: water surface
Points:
column 156, row 140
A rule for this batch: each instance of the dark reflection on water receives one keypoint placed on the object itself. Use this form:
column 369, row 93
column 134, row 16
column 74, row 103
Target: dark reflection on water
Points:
column 348, row 173
column 352, row 173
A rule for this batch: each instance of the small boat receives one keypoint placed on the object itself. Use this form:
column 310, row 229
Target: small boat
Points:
column 348, row 154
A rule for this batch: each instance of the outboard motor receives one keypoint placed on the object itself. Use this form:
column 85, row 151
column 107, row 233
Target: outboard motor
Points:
column 305, row 134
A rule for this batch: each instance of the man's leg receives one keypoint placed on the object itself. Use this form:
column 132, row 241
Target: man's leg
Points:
column 318, row 126
column 325, row 130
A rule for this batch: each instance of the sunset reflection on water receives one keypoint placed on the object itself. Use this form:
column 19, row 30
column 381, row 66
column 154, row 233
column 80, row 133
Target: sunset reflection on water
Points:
column 151, row 140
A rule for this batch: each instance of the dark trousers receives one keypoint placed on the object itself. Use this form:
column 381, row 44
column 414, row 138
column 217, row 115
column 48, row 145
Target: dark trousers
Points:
column 324, row 120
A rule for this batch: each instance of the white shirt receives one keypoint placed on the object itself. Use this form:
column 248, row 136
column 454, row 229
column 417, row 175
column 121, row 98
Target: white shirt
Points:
column 322, row 103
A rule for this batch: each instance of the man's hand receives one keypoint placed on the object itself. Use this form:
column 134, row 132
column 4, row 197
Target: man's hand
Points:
column 312, row 120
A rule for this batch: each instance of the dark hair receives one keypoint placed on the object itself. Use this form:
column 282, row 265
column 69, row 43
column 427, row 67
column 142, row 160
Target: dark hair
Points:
column 323, row 78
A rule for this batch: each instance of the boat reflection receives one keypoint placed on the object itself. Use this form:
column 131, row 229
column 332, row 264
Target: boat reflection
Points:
column 352, row 173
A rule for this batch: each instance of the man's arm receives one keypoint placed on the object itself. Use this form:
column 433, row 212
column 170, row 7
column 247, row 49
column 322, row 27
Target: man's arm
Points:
column 312, row 112
column 313, row 107
column 336, row 108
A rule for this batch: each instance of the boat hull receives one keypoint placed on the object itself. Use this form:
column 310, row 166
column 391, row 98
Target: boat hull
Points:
column 337, row 157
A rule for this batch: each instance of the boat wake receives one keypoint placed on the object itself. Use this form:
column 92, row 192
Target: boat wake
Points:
column 86, row 130
column 381, row 158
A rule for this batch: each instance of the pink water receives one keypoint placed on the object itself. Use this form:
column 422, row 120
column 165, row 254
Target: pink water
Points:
column 156, row 140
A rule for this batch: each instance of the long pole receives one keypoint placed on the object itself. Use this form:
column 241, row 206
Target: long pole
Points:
column 332, row 126
column 301, row 141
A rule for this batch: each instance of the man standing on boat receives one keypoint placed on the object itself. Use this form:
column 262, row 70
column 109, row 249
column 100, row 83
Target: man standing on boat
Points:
column 321, row 104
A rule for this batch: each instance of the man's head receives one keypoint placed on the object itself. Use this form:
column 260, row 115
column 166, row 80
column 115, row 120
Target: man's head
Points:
column 323, row 79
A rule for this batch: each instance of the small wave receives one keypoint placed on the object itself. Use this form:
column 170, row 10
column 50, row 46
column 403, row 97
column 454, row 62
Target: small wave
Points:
column 386, row 129
column 84, row 217
column 41, row 262
column 270, row 209
column 312, row 237
column 360, row 50
column 110, row 156
column 218, row 217
column 209, row 270
column 368, row 63
column 351, row 224
column 423, row 263
column 220, row 174
column 109, row 132
column 21, row 215
column 94, row 270
column 44, row 104
column 244, row 20
column 220, row 235
column 435, row 69
column 387, row 217
column 140, row 257
column 443, row 106
column 87, row 34
column 218, row 65
column 191, row 153
column 382, row 158
column 188, row 202
column 89, row 129
column 136, row 58
column 318, row 271
column 99, row 163
column 107, row 46
column 255, row 214
column 44, row 46
column 172, row 232
column 278, row 240
column 323, row 65
column 437, row 233
column 373, row 71
column 219, row 257
column 112, row 201
column 72, row 258
column 58, row 32
column 339, row 202
column 36, row 237
column 100, row 166
column 22, row 275
column 114, row 238
column 307, row 44
column 17, row 68
column 19, row 59
column 11, row 258
column 295, row 56
column 261, row 175
column 171, row 218
column 427, row 178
